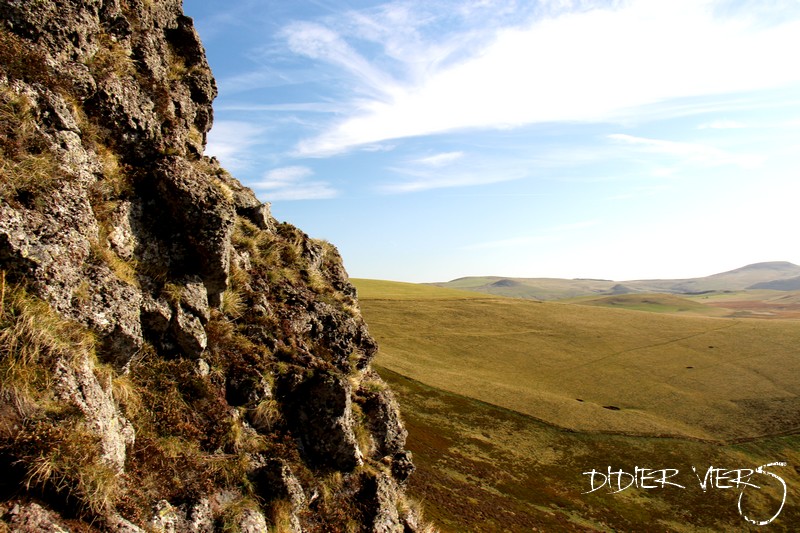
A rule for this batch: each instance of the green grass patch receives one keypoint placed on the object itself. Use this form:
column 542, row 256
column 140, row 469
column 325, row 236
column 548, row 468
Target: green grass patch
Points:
column 373, row 289
column 531, row 288
column 653, row 303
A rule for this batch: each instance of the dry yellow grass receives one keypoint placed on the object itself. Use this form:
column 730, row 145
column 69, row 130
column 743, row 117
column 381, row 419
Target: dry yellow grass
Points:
column 484, row 468
column 594, row 369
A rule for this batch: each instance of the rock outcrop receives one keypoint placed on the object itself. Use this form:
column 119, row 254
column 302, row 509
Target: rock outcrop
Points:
column 172, row 358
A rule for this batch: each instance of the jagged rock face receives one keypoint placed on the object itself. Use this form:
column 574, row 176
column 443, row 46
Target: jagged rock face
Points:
column 195, row 365
column 385, row 423
column 115, row 63
column 381, row 491
column 322, row 416
column 138, row 63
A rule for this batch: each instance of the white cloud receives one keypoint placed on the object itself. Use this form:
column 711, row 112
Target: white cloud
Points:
column 439, row 160
column 318, row 42
column 308, row 191
column 265, row 77
column 291, row 183
column 231, row 141
column 452, row 169
column 283, row 176
column 688, row 152
column 584, row 65
column 425, row 181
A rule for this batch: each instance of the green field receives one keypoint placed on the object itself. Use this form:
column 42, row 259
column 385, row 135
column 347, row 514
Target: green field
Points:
column 507, row 401
column 598, row 369
column 653, row 303
column 372, row 289
column 530, row 288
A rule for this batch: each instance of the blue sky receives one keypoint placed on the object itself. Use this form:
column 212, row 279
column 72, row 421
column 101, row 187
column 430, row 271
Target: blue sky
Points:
column 434, row 139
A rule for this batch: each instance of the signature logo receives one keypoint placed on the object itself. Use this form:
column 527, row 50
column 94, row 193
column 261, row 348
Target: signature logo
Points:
column 714, row 478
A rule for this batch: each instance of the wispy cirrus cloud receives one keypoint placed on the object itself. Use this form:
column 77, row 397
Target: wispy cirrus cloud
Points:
column 426, row 181
column 450, row 169
column 292, row 183
column 541, row 70
column 688, row 152
column 318, row 42
column 439, row 160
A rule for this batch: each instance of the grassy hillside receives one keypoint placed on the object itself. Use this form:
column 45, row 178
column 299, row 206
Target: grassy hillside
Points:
column 508, row 402
column 598, row 369
column 373, row 289
column 530, row 288
column 483, row 468
column 754, row 303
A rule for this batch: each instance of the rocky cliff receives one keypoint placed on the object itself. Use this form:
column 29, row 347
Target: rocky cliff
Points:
column 171, row 357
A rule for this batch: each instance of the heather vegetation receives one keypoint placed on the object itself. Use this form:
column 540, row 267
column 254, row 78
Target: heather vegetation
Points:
column 485, row 468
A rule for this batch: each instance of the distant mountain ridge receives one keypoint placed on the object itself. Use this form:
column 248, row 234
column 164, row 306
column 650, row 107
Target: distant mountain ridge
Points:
column 790, row 284
column 773, row 275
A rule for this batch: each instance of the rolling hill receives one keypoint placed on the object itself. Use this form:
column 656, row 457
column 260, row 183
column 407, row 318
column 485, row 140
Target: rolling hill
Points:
column 777, row 275
column 788, row 284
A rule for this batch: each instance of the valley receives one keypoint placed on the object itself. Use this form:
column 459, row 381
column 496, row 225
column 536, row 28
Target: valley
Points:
column 508, row 401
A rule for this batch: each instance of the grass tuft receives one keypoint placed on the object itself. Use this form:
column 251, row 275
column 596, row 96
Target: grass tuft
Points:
column 280, row 514
column 241, row 438
column 64, row 455
column 265, row 415
column 27, row 167
column 59, row 451
column 32, row 336
column 235, row 512
column 111, row 60
column 363, row 436
column 20, row 60
column 233, row 304
column 173, row 292
column 127, row 395
column 115, row 182
column 124, row 270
